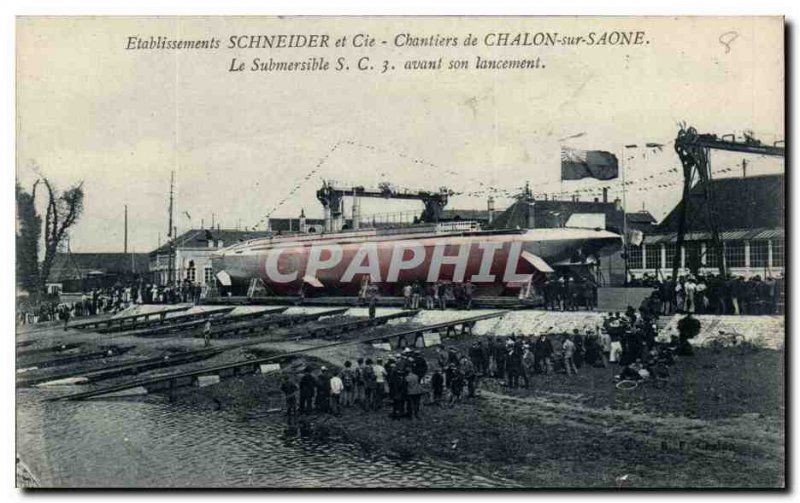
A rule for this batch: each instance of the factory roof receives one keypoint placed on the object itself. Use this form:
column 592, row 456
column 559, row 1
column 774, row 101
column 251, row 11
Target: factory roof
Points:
column 754, row 202
column 78, row 265
column 199, row 238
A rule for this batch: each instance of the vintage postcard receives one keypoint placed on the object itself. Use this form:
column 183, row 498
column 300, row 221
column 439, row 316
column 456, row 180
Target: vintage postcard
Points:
column 400, row 252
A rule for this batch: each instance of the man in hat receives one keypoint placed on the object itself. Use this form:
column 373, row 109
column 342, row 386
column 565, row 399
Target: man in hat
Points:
column 418, row 365
column 513, row 365
column 441, row 357
column 605, row 346
column 455, row 381
column 360, row 389
column 323, row 391
column 592, row 348
column 413, row 395
column 370, row 385
column 307, row 387
column 568, row 348
column 337, row 386
column 397, row 392
column 469, row 292
column 470, row 376
column 452, row 355
column 577, row 339
column 528, row 364
column 407, row 290
column 437, row 385
column 476, row 355
column 380, row 382
column 349, row 382
column 289, row 389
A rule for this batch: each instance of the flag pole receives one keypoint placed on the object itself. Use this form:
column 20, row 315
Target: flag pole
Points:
column 624, row 212
column 624, row 198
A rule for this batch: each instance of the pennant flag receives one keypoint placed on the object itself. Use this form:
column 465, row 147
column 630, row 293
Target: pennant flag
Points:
column 579, row 164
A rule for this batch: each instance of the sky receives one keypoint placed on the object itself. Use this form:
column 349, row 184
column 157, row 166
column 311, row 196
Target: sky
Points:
column 239, row 143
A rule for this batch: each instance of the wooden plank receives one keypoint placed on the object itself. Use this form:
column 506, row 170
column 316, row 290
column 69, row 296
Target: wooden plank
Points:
column 180, row 378
column 124, row 319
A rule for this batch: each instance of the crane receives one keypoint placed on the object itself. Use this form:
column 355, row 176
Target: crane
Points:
column 693, row 150
column 332, row 195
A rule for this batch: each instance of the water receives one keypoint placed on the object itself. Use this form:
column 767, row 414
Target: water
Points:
column 153, row 443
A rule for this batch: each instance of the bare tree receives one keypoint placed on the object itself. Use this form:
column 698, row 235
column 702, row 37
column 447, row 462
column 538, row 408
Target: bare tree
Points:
column 63, row 210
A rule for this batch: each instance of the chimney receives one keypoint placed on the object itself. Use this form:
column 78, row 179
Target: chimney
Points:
column 530, row 214
column 605, row 194
column 490, row 208
column 302, row 220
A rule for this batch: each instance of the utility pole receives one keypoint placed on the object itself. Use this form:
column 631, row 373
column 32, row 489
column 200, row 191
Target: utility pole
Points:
column 625, row 209
column 126, row 230
column 744, row 168
column 170, row 267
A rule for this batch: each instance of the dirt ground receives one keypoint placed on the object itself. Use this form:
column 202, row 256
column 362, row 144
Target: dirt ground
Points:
column 717, row 424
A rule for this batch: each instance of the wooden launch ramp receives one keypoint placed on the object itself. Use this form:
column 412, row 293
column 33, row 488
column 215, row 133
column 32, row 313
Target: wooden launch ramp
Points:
column 145, row 364
column 255, row 366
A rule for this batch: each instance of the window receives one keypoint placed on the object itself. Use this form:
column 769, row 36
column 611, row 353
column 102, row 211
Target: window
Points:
column 777, row 253
column 191, row 272
column 759, row 252
column 208, row 275
column 219, row 243
column 670, row 248
column 734, row 253
column 711, row 255
column 653, row 256
column 634, row 257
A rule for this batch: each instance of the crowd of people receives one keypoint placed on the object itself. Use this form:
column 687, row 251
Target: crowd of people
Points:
column 566, row 293
column 715, row 294
column 628, row 340
column 110, row 300
column 421, row 295
column 402, row 380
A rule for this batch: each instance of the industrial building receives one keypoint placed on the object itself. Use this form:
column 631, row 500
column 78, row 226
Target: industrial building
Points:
column 189, row 256
column 80, row 272
column 749, row 213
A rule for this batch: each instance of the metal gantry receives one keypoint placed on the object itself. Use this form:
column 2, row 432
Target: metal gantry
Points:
column 332, row 196
column 693, row 150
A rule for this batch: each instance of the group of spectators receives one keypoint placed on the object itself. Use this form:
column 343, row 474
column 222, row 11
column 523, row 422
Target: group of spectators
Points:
column 627, row 339
column 624, row 338
column 110, row 300
column 97, row 301
column 401, row 380
column 715, row 294
column 438, row 295
column 40, row 313
column 420, row 295
column 565, row 293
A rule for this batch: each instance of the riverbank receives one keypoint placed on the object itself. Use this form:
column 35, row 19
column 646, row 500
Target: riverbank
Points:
column 717, row 423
